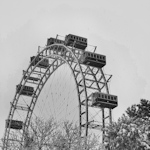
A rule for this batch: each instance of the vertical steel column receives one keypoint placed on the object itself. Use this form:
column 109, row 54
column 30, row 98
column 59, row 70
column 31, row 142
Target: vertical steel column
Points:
column 103, row 121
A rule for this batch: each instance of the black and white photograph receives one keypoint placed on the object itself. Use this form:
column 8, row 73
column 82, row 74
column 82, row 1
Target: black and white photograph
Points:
column 75, row 75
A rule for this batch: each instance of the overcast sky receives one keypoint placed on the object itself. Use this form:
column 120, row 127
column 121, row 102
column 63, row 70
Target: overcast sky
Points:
column 120, row 30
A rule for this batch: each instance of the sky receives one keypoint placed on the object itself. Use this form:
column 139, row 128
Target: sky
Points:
column 120, row 30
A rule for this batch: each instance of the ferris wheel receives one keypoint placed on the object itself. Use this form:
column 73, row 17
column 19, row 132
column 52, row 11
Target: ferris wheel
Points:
column 64, row 81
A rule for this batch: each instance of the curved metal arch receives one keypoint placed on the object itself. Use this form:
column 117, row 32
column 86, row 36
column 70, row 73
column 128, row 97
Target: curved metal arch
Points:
column 48, row 78
column 56, row 47
column 16, row 97
column 46, row 52
column 65, row 48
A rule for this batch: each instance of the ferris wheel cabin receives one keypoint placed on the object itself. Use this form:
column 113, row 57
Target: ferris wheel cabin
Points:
column 43, row 64
column 14, row 124
column 51, row 41
column 27, row 90
column 93, row 59
column 104, row 100
column 76, row 41
column 31, row 78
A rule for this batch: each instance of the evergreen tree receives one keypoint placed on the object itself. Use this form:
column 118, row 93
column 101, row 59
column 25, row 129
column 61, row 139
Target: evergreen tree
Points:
column 132, row 130
column 141, row 110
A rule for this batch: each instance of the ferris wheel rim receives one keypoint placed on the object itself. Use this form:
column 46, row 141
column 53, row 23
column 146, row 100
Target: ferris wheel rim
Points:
column 15, row 100
column 67, row 49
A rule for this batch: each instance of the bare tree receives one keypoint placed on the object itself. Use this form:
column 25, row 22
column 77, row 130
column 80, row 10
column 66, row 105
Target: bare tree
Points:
column 14, row 140
column 49, row 135
column 68, row 138
column 40, row 134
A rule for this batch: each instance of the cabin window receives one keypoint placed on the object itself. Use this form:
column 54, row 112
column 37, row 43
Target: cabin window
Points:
column 99, row 95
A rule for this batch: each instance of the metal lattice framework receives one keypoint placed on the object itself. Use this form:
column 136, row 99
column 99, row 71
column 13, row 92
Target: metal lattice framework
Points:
column 88, row 80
